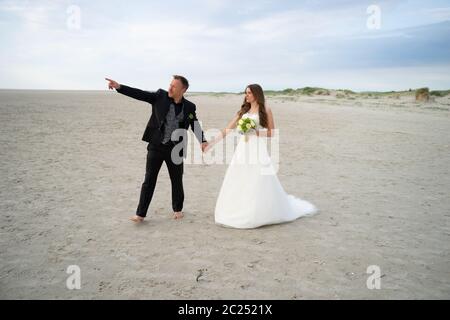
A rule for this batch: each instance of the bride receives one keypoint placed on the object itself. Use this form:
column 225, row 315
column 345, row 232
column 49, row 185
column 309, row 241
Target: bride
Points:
column 251, row 194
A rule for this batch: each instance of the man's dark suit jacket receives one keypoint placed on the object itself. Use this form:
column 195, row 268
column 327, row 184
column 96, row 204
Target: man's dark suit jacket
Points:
column 160, row 102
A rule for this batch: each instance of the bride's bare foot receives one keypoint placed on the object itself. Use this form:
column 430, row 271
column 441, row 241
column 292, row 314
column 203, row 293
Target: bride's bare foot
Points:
column 137, row 218
column 178, row 215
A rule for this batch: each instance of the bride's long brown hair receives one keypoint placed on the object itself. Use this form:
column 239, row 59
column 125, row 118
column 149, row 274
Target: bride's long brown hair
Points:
column 258, row 93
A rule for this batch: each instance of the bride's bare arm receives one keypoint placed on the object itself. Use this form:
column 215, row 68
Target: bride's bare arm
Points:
column 270, row 125
column 231, row 125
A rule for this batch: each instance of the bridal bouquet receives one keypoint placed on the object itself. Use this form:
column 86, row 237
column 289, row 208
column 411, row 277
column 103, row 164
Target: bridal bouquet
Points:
column 245, row 125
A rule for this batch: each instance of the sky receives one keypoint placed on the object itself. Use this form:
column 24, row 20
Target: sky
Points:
column 224, row 45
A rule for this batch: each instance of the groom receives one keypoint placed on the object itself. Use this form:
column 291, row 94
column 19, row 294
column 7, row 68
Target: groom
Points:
column 170, row 111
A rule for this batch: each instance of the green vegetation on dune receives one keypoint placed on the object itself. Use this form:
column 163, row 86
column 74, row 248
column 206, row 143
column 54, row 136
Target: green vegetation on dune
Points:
column 439, row 93
column 339, row 93
column 343, row 93
column 303, row 91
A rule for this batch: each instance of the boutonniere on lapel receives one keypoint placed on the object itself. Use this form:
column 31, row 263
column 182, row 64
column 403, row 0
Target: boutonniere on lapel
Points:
column 191, row 116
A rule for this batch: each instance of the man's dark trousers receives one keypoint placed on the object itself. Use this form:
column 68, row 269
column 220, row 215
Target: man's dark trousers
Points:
column 156, row 155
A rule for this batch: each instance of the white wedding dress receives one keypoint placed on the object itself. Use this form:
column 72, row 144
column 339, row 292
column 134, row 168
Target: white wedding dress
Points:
column 251, row 194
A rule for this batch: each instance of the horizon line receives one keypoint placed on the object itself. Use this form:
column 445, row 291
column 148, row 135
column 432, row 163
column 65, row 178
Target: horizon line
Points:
column 231, row 92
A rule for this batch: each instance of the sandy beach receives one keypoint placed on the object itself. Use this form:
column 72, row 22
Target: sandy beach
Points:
column 72, row 164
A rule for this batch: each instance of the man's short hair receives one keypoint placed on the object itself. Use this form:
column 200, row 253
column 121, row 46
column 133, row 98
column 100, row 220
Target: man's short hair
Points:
column 183, row 80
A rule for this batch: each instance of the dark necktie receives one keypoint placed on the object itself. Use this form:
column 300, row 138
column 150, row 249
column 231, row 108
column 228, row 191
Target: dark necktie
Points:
column 178, row 107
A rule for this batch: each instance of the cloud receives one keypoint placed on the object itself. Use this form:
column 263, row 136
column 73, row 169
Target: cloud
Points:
column 221, row 45
column 439, row 14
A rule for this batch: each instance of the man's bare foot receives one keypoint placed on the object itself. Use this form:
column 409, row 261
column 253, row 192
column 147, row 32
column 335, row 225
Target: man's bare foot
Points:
column 178, row 215
column 137, row 218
